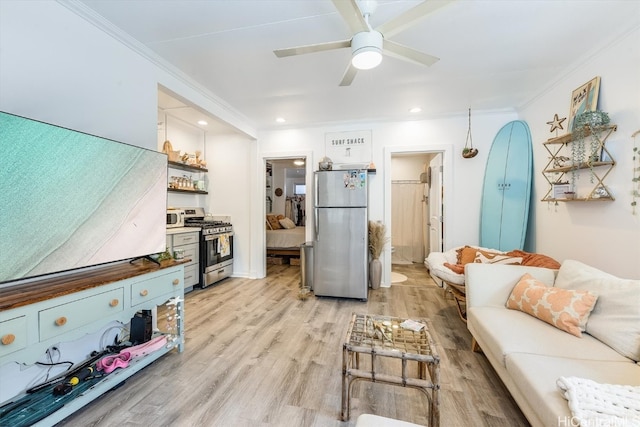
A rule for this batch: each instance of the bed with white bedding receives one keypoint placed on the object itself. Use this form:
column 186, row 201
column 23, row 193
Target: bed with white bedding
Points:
column 285, row 241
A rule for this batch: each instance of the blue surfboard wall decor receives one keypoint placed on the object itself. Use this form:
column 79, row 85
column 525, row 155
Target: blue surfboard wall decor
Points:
column 506, row 191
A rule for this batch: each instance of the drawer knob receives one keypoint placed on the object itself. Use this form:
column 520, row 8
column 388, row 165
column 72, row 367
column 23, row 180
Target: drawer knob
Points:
column 176, row 281
column 61, row 321
column 144, row 292
column 114, row 302
column 8, row 339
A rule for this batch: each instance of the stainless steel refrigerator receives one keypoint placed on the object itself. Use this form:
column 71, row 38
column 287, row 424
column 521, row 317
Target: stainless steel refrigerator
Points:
column 340, row 252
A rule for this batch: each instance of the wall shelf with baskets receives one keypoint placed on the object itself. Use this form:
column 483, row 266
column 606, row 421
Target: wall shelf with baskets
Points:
column 560, row 169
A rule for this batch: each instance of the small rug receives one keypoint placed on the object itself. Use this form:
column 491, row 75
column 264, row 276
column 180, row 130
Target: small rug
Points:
column 397, row 277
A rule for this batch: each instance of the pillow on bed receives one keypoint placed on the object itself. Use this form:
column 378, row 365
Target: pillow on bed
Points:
column 274, row 221
column 287, row 223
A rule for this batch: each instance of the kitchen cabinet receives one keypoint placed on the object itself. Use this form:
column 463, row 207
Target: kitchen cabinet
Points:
column 559, row 170
column 37, row 315
column 188, row 240
column 182, row 183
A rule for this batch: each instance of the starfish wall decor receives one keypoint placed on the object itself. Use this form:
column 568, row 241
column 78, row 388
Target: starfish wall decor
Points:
column 556, row 123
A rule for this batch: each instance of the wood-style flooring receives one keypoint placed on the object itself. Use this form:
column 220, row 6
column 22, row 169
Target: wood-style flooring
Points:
column 256, row 355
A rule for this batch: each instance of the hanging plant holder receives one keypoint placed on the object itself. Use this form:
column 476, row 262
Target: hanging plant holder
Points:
column 468, row 151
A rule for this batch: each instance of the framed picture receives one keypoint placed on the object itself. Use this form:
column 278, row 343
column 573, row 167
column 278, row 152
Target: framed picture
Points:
column 584, row 98
column 350, row 147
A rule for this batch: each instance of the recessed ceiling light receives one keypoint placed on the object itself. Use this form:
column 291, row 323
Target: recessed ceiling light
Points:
column 202, row 122
column 280, row 120
column 415, row 110
column 298, row 162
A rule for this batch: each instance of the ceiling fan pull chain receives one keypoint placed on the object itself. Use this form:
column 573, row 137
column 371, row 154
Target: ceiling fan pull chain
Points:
column 468, row 151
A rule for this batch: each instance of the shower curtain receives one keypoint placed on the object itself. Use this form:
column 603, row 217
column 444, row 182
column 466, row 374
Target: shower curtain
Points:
column 407, row 222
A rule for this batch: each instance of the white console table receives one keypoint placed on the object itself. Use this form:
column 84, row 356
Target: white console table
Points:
column 36, row 315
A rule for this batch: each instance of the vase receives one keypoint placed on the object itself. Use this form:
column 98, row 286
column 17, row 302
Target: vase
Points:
column 375, row 273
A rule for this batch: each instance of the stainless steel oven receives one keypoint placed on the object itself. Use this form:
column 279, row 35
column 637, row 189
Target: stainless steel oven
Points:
column 216, row 249
column 216, row 245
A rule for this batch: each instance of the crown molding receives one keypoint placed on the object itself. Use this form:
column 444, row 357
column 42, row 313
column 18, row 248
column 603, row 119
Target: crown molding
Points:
column 230, row 115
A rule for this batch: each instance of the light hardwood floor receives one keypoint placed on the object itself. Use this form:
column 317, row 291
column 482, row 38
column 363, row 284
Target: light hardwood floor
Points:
column 256, row 355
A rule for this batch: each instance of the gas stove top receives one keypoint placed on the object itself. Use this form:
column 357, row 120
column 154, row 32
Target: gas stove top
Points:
column 209, row 227
column 195, row 217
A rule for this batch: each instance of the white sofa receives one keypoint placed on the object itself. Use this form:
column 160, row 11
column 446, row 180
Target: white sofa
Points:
column 530, row 355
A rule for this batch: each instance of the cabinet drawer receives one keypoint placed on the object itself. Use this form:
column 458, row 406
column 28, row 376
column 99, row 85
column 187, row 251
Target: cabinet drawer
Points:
column 185, row 239
column 148, row 290
column 190, row 252
column 191, row 275
column 67, row 317
column 13, row 335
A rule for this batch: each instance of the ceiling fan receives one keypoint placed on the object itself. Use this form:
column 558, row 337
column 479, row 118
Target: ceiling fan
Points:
column 368, row 44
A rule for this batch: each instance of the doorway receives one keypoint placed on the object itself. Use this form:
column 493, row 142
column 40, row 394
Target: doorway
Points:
column 415, row 181
column 409, row 207
column 285, row 196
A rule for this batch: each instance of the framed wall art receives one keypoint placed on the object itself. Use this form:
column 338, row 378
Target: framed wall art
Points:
column 348, row 147
column 584, row 98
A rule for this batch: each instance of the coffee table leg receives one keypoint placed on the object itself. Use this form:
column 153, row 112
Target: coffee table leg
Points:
column 344, row 414
column 434, row 372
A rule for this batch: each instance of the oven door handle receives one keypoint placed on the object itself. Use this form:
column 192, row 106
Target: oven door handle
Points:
column 215, row 236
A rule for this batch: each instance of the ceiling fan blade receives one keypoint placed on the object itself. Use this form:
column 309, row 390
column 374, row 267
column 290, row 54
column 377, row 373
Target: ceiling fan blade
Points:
column 408, row 54
column 349, row 75
column 311, row 48
column 351, row 14
column 408, row 18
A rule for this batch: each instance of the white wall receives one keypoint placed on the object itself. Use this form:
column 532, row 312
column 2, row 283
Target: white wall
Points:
column 463, row 188
column 57, row 68
column 603, row 234
column 232, row 170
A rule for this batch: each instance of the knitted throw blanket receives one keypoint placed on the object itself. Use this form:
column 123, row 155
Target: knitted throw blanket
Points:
column 603, row 405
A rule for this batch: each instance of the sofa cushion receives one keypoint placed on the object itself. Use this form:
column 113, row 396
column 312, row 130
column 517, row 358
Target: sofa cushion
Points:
column 535, row 377
column 615, row 319
column 567, row 310
column 501, row 332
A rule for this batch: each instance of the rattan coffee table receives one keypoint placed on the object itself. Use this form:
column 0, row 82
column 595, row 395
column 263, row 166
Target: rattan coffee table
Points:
column 383, row 337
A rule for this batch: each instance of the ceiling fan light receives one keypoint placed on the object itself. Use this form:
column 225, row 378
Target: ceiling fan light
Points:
column 367, row 58
column 366, row 50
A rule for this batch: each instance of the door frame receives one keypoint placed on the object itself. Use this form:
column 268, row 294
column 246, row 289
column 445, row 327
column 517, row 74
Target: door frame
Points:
column 447, row 183
column 259, row 249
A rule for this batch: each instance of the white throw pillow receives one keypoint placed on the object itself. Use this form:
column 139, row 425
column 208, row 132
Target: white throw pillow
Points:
column 615, row 320
column 287, row 223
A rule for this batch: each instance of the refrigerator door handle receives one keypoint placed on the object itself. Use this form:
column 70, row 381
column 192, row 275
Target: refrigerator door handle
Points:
column 315, row 189
column 316, row 223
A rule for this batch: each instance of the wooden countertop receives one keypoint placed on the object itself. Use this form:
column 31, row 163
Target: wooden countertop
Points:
column 47, row 288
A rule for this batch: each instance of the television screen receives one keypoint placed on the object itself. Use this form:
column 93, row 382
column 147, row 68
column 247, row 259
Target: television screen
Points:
column 300, row 189
column 70, row 200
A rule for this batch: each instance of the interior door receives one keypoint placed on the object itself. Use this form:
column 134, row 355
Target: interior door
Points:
column 435, row 205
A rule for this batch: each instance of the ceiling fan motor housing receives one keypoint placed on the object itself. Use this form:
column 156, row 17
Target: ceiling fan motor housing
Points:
column 366, row 49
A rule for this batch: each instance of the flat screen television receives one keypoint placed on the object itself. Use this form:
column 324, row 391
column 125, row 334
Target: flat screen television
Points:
column 70, row 200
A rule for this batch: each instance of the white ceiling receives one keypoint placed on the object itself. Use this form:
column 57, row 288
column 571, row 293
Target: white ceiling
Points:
column 495, row 54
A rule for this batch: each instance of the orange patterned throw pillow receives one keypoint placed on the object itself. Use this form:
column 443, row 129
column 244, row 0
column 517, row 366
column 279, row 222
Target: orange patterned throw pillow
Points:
column 565, row 309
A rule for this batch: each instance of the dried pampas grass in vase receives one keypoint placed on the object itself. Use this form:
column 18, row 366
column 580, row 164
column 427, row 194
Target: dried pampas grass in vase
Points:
column 377, row 239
